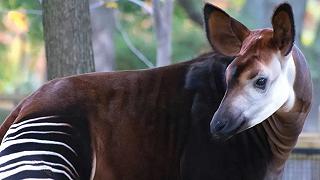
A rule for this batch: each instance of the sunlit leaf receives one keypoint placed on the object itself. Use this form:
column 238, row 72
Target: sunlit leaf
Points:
column 16, row 22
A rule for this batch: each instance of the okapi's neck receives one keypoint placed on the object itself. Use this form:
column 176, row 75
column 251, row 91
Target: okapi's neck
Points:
column 284, row 127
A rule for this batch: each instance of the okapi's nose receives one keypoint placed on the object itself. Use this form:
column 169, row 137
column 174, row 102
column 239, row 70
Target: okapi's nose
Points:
column 225, row 123
column 218, row 126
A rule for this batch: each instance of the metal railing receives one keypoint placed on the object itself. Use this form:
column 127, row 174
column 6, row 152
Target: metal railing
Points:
column 303, row 164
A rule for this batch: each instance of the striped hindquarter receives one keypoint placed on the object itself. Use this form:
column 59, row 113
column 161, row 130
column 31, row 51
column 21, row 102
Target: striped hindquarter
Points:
column 45, row 148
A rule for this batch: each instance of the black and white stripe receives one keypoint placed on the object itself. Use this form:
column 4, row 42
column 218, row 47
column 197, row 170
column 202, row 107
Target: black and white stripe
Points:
column 40, row 148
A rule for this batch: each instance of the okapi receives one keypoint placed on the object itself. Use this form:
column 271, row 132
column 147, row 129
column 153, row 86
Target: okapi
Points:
column 235, row 113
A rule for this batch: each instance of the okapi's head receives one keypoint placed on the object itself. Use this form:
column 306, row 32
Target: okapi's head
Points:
column 260, row 78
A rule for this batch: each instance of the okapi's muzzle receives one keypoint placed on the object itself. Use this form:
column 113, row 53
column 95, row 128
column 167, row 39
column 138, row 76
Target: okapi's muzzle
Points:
column 226, row 123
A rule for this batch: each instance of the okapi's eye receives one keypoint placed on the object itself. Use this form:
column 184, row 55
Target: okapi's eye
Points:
column 261, row 83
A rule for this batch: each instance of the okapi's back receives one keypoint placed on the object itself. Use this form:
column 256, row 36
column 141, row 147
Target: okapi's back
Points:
column 76, row 95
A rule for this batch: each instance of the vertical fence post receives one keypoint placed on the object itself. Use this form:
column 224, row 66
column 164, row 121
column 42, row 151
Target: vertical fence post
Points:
column 319, row 119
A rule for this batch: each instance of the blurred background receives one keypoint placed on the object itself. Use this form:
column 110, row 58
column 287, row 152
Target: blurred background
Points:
column 124, row 38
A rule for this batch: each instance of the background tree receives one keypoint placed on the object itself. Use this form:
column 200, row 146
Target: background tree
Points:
column 67, row 36
column 162, row 15
column 193, row 8
column 103, row 31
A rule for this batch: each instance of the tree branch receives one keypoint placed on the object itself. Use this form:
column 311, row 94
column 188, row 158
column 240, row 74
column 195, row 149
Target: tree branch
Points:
column 193, row 10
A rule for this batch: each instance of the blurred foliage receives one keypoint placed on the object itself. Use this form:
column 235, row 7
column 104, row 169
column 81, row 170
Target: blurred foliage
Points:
column 188, row 38
column 20, row 43
column 311, row 37
column 3, row 114
column 34, row 21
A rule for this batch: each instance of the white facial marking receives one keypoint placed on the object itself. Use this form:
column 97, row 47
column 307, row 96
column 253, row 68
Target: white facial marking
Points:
column 290, row 72
column 279, row 96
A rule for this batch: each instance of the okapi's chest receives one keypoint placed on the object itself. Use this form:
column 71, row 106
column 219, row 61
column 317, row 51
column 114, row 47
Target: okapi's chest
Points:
column 246, row 156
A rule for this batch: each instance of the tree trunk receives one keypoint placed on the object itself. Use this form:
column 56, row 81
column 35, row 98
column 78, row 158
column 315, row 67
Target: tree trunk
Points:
column 67, row 35
column 193, row 9
column 162, row 16
column 103, row 26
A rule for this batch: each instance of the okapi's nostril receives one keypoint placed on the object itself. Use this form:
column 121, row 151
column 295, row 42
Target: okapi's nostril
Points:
column 219, row 125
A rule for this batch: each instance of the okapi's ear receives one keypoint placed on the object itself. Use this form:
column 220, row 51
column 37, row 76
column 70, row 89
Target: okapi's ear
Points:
column 224, row 33
column 283, row 28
